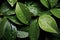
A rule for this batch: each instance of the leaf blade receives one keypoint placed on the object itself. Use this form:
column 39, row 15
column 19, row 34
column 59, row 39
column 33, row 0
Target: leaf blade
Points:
column 48, row 24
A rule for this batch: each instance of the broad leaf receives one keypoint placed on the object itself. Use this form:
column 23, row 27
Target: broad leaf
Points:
column 12, row 2
column 14, row 19
column 22, row 34
column 34, row 30
column 22, row 13
column 45, row 3
column 53, row 2
column 47, row 23
column 10, row 32
column 56, row 12
column 2, row 27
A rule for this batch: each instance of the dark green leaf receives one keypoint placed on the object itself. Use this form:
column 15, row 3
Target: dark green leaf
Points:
column 2, row 26
column 33, row 8
column 53, row 2
column 56, row 12
column 14, row 20
column 47, row 23
column 45, row 12
column 45, row 3
column 22, row 13
column 4, row 7
column 6, row 10
column 10, row 12
column 58, row 5
column 22, row 34
column 12, row 2
column 34, row 30
column 10, row 32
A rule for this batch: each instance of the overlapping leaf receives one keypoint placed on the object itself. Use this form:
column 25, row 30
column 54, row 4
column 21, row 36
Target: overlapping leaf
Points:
column 47, row 23
column 53, row 2
column 10, row 32
column 45, row 3
column 6, row 10
column 34, row 30
column 22, row 13
column 12, row 2
column 14, row 19
column 33, row 8
column 22, row 34
column 2, row 27
column 56, row 12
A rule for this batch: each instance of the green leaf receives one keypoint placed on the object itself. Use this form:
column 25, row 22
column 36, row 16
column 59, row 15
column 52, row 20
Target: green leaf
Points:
column 6, row 10
column 14, row 19
column 2, row 26
column 34, row 30
column 0, row 20
column 45, row 12
column 53, row 2
column 45, row 3
column 22, row 13
column 56, row 12
column 4, row 7
column 12, row 2
column 10, row 32
column 48, row 24
column 22, row 34
column 58, row 5
column 33, row 8
column 10, row 12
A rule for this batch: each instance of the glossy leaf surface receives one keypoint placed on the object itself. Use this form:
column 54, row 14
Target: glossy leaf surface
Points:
column 56, row 12
column 47, row 23
column 22, row 13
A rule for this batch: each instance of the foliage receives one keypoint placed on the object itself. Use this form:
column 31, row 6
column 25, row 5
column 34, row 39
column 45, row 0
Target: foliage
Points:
column 32, row 19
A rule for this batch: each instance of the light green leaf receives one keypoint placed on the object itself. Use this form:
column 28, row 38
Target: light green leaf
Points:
column 22, row 34
column 22, row 13
column 12, row 2
column 56, row 12
column 34, row 30
column 45, row 3
column 2, row 27
column 53, row 2
column 48, row 24
column 14, row 19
